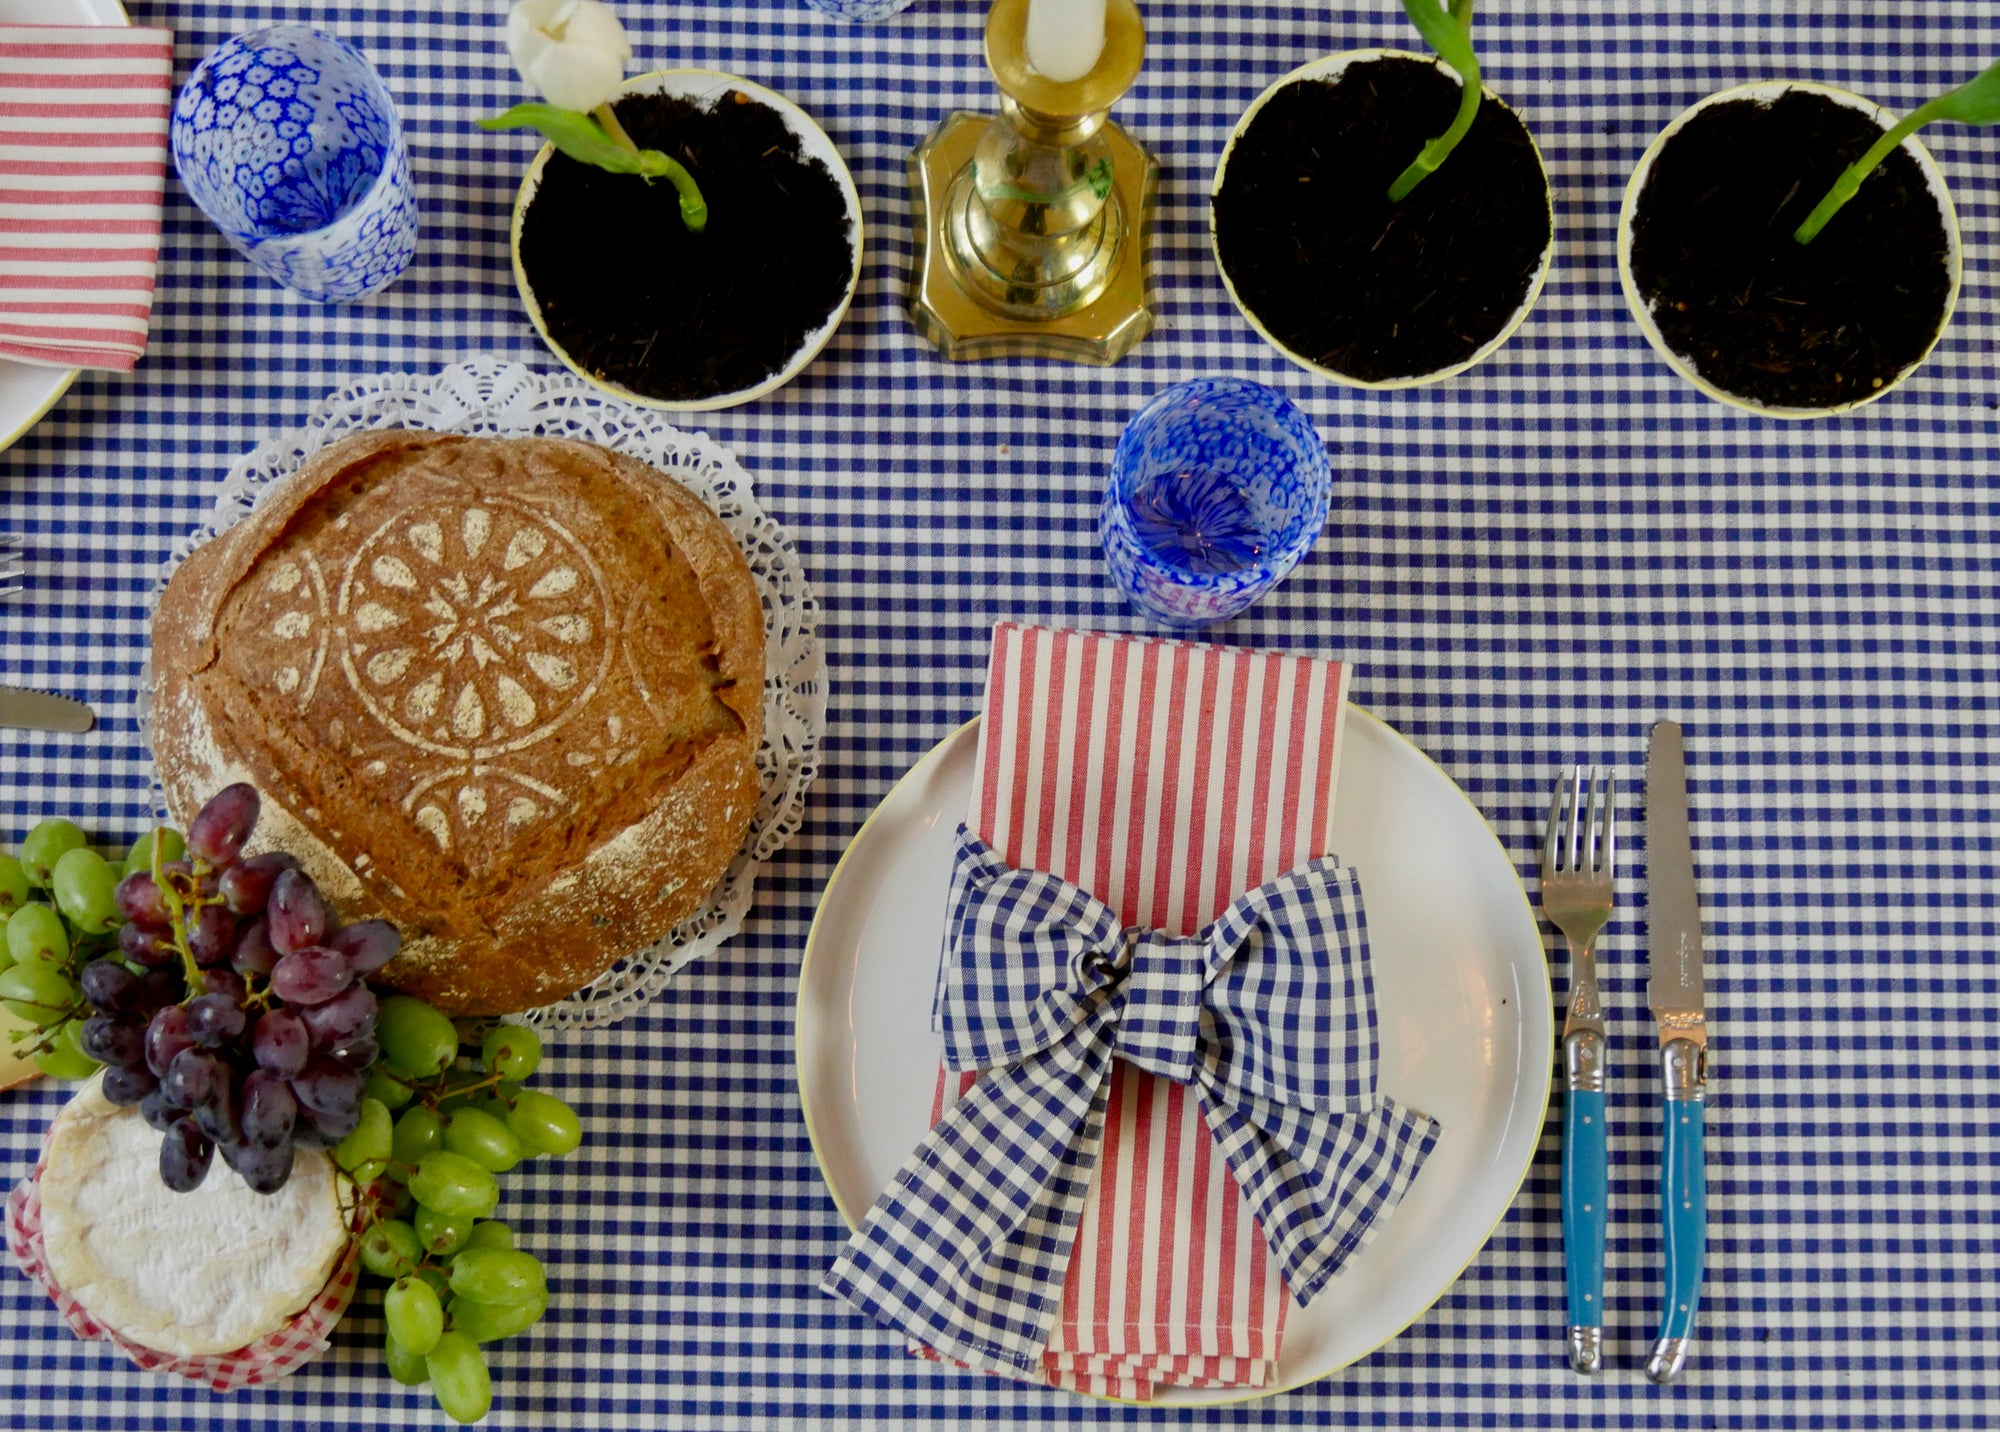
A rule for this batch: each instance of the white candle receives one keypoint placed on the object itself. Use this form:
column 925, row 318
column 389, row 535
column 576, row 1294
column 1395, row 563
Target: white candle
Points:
column 1065, row 37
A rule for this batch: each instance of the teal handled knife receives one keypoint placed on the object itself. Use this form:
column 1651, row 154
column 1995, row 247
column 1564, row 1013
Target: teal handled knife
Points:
column 1675, row 992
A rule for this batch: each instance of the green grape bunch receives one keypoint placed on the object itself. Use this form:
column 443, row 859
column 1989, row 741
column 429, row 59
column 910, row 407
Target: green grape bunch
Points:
column 110, row 967
column 438, row 1124
column 58, row 903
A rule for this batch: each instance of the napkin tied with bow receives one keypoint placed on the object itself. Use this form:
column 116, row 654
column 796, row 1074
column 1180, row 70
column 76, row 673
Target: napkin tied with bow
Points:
column 1240, row 1107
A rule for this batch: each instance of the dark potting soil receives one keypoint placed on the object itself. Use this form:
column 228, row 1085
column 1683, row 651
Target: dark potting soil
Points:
column 633, row 297
column 1757, row 314
column 1338, row 274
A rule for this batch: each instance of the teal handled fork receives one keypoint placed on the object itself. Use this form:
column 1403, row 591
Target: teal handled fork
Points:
column 1578, row 857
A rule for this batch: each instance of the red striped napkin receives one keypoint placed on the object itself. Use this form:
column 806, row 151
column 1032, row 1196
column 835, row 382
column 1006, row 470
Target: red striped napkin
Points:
column 83, row 164
column 1165, row 779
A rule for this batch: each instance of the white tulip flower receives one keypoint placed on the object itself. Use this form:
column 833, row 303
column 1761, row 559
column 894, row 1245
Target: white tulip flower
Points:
column 573, row 52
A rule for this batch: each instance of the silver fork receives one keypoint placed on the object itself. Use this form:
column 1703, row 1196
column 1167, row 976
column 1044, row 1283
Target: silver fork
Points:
column 10, row 564
column 1579, row 855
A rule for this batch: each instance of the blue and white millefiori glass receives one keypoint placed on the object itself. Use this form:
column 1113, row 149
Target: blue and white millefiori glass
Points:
column 1218, row 487
column 859, row 9
column 288, row 141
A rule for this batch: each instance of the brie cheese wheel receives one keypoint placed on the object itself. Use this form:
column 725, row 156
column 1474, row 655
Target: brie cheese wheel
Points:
column 189, row 1274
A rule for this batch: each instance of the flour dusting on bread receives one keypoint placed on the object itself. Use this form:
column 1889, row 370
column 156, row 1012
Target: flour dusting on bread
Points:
column 506, row 692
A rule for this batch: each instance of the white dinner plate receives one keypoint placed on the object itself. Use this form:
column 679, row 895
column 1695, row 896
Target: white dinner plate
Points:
column 1463, row 1002
column 28, row 390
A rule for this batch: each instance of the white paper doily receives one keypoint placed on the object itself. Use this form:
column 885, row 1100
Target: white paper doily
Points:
column 487, row 397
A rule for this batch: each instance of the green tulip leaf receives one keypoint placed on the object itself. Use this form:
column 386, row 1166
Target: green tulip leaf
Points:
column 576, row 134
column 1448, row 31
column 583, row 139
column 1975, row 102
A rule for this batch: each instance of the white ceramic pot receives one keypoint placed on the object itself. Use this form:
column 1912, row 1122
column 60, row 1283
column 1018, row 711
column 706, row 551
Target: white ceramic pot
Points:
column 1770, row 90
column 1330, row 68
column 703, row 86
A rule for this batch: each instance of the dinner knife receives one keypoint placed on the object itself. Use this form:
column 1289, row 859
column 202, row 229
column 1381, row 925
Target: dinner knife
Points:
column 1674, row 990
column 39, row 711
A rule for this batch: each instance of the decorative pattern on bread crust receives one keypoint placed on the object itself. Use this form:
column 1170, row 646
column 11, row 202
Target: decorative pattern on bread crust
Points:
column 507, row 693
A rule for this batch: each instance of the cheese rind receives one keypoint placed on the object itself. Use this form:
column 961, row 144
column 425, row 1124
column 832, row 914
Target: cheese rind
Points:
column 189, row 1274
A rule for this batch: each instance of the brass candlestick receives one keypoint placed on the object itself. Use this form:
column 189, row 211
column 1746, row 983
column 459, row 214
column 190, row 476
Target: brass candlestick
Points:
column 1032, row 226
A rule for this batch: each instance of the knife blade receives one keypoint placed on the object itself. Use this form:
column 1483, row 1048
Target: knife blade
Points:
column 1676, row 992
column 38, row 711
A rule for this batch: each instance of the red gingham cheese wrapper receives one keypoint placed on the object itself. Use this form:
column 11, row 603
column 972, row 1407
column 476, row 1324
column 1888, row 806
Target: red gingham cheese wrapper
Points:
column 1164, row 778
column 266, row 1360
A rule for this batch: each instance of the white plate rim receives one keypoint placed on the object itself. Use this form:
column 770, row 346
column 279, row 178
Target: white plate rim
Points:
column 1536, row 1016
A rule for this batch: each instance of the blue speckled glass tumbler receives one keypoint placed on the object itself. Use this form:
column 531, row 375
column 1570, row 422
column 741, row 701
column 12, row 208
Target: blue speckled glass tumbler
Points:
column 1217, row 488
column 859, row 9
column 287, row 140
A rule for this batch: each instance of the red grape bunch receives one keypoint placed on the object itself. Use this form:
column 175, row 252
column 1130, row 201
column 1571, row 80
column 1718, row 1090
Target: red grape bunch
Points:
column 264, row 1039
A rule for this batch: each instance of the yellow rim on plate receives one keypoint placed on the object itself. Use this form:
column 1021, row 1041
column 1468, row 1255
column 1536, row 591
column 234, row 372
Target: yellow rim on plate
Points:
column 54, row 397
column 1328, row 68
column 851, row 1217
column 1642, row 311
column 700, row 84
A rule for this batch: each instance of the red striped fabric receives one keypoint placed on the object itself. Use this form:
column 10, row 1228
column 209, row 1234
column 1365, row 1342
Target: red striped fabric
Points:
column 83, row 165
column 1166, row 779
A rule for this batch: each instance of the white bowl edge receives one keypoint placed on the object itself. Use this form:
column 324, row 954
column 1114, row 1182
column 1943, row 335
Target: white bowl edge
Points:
column 700, row 84
column 1329, row 67
column 1642, row 311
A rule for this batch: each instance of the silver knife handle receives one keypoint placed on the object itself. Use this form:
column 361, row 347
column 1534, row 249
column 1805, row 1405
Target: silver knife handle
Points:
column 1683, row 1068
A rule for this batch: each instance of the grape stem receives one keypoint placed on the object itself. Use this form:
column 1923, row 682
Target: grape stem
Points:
column 170, row 893
column 438, row 1095
column 416, row 1269
column 45, row 1035
column 180, row 905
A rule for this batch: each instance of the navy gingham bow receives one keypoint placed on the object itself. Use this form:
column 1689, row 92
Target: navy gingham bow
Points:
column 1268, row 1014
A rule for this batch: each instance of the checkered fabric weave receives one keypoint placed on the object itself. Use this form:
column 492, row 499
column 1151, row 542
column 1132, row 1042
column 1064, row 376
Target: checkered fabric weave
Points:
column 1266, row 1012
column 1532, row 563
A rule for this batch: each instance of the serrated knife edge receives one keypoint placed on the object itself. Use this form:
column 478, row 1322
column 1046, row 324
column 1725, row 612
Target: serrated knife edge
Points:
column 22, row 709
column 1676, row 983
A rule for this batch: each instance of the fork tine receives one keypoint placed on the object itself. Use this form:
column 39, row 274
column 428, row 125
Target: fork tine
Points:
column 1579, row 809
column 1552, row 833
column 1609, row 849
column 1593, row 811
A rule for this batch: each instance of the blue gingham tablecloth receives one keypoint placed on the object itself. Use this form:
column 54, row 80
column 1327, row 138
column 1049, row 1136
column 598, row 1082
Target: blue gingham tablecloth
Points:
column 1529, row 564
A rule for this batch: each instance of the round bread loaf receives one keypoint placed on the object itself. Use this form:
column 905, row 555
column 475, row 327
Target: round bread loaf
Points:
column 506, row 693
column 187, row 1274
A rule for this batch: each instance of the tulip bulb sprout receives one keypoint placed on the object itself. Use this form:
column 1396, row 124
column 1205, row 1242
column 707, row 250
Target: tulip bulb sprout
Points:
column 1975, row 102
column 1448, row 30
column 574, row 53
